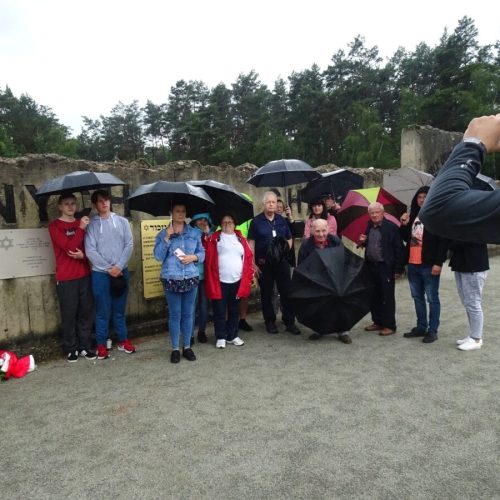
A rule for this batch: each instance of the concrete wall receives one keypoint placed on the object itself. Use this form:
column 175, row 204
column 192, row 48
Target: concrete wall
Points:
column 426, row 148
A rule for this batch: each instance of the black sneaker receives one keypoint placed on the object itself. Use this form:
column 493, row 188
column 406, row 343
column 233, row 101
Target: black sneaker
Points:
column 429, row 337
column 175, row 357
column 293, row 329
column 72, row 357
column 188, row 354
column 271, row 327
column 202, row 338
column 243, row 325
column 87, row 354
column 415, row 332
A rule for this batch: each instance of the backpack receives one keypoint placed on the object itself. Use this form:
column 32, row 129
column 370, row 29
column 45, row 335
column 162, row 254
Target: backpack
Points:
column 277, row 252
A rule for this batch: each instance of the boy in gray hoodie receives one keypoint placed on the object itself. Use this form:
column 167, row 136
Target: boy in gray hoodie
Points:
column 108, row 246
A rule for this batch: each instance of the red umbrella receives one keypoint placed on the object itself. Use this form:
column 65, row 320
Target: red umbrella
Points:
column 353, row 218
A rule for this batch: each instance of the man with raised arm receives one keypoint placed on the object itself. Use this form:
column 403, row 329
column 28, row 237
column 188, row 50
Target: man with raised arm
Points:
column 452, row 209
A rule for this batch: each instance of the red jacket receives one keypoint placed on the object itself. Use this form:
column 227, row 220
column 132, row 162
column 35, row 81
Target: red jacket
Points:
column 212, row 281
column 68, row 236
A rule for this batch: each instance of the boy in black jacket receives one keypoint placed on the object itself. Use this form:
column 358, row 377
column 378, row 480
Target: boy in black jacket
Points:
column 425, row 254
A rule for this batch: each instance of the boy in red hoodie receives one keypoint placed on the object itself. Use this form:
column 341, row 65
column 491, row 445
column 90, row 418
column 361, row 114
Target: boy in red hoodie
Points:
column 73, row 279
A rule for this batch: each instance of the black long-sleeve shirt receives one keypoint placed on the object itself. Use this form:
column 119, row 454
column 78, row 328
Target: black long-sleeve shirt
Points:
column 453, row 210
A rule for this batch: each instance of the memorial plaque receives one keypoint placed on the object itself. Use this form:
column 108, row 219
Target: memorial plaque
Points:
column 150, row 266
column 25, row 252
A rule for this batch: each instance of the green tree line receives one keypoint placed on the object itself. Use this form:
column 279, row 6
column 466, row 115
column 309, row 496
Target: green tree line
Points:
column 350, row 113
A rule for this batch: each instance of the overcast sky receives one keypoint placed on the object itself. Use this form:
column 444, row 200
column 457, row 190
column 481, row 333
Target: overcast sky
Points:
column 82, row 57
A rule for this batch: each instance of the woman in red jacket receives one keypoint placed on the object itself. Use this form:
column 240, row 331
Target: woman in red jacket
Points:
column 228, row 277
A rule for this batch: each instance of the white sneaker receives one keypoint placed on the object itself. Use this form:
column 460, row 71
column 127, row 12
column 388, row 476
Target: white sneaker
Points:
column 463, row 341
column 236, row 341
column 220, row 344
column 470, row 345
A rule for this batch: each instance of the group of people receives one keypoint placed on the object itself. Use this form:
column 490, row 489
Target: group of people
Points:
column 201, row 264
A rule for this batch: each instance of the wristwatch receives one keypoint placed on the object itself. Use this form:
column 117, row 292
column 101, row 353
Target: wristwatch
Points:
column 476, row 143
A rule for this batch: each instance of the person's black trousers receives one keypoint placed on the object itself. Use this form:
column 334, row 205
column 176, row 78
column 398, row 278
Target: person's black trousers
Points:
column 279, row 274
column 77, row 313
column 226, row 307
column 383, row 304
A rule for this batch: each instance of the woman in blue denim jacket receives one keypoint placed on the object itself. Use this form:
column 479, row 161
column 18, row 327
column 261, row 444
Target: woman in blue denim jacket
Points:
column 179, row 249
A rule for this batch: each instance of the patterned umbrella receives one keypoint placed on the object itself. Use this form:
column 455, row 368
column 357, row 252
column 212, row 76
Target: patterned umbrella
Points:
column 352, row 218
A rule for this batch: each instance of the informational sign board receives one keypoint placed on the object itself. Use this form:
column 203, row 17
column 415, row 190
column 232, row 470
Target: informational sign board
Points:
column 25, row 252
column 150, row 266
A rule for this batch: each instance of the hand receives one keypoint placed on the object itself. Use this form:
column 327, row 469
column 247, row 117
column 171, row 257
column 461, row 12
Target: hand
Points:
column 288, row 212
column 336, row 207
column 187, row 259
column 362, row 239
column 115, row 271
column 170, row 231
column 84, row 222
column 77, row 254
column 487, row 130
column 436, row 270
column 405, row 218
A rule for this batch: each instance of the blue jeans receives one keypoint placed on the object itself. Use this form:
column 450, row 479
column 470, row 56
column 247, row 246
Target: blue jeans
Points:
column 202, row 302
column 108, row 307
column 226, row 307
column 180, row 316
column 423, row 284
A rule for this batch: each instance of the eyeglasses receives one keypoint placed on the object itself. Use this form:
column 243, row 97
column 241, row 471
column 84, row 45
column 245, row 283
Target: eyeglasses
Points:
column 227, row 222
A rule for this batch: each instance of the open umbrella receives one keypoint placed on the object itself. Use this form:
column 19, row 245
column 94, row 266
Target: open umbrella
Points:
column 336, row 183
column 226, row 198
column 404, row 182
column 159, row 197
column 353, row 218
column 331, row 290
column 78, row 181
column 281, row 173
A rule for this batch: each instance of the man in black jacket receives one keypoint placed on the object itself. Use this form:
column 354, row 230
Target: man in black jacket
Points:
column 452, row 209
column 384, row 260
column 425, row 254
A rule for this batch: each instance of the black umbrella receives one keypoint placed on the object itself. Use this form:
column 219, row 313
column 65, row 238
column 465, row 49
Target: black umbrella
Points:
column 226, row 199
column 331, row 290
column 78, row 181
column 336, row 183
column 159, row 197
column 283, row 173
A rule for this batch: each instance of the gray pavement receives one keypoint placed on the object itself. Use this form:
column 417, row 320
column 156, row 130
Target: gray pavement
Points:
column 280, row 417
